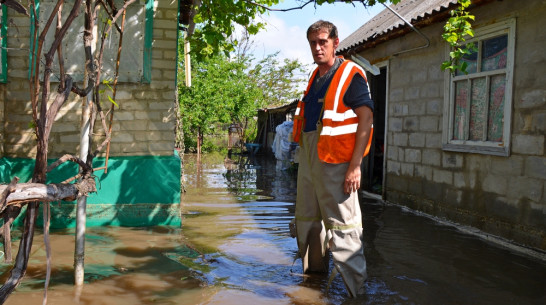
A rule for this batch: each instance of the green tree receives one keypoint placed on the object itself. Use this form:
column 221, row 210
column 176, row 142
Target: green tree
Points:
column 280, row 82
column 229, row 90
column 221, row 93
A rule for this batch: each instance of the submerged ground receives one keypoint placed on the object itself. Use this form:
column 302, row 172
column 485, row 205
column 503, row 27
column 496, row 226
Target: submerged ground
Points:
column 234, row 248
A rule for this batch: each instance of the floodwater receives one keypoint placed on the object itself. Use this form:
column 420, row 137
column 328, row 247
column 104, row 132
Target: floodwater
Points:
column 234, row 248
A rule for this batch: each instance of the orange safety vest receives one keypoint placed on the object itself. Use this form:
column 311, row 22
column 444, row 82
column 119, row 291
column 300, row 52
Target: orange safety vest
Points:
column 339, row 122
column 299, row 118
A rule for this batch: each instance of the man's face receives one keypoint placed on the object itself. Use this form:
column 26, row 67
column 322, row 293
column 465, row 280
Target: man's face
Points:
column 322, row 47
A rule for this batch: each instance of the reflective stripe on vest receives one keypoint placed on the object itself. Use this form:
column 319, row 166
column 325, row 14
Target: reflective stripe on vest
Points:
column 339, row 122
column 341, row 85
column 336, row 131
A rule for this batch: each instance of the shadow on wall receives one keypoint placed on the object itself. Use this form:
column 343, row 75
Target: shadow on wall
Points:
column 136, row 191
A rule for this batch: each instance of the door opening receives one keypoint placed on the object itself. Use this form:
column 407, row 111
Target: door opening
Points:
column 372, row 171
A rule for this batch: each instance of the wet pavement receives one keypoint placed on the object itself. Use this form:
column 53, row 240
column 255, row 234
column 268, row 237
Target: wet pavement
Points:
column 234, row 248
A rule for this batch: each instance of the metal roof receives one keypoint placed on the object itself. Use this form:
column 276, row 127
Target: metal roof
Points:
column 386, row 21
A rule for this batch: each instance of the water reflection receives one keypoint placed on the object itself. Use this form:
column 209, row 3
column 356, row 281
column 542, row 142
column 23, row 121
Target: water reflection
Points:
column 246, row 230
column 411, row 258
column 234, row 248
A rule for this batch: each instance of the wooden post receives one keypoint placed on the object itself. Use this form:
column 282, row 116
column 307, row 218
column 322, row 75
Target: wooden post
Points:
column 87, row 108
column 187, row 62
column 79, row 251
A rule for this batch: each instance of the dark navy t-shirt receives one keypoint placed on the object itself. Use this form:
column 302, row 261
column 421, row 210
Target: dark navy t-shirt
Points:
column 357, row 95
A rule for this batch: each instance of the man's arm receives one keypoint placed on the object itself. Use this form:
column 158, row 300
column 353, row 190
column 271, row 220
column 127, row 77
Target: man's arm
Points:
column 353, row 174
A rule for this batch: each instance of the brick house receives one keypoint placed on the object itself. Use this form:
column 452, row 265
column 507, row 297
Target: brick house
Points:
column 143, row 168
column 469, row 148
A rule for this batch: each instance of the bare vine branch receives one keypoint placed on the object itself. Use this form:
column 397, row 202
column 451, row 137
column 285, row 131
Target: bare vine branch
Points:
column 66, row 158
column 5, row 193
column 15, row 5
column 111, row 14
column 30, row 192
column 280, row 9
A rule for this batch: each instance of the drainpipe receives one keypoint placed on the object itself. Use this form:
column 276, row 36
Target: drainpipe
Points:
column 364, row 63
column 373, row 68
column 426, row 45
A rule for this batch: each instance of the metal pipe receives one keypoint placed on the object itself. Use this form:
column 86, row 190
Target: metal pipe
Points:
column 413, row 28
column 364, row 63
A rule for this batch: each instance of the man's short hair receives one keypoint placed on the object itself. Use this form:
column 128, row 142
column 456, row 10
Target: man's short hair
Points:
column 322, row 25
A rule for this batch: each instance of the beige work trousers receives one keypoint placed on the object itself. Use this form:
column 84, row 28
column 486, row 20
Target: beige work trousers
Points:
column 327, row 218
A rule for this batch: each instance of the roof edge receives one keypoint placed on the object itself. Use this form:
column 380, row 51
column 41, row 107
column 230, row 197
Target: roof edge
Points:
column 419, row 22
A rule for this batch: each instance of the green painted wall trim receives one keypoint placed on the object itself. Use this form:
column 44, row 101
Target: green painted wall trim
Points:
column 33, row 31
column 135, row 179
column 148, row 35
column 3, row 45
column 136, row 191
column 98, row 215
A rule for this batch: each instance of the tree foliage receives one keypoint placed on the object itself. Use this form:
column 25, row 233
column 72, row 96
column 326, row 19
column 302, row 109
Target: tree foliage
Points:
column 216, row 22
column 229, row 90
column 279, row 82
column 221, row 93
column 456, row 29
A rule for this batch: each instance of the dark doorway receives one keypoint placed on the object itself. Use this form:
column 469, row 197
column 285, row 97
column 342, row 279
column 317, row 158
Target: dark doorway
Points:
column 372, row 173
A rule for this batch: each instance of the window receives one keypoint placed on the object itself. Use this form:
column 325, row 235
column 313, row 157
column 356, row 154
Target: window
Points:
column 478, row 107
column 135, row 63
column 3, row 45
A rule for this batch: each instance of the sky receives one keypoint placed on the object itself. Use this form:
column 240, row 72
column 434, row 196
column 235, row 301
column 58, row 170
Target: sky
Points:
column 286, row 31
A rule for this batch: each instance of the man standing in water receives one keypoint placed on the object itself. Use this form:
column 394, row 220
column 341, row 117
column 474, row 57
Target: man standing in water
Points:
column 333, row 125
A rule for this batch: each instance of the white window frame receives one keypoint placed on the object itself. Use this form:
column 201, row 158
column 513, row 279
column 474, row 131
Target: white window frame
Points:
column 484, row 147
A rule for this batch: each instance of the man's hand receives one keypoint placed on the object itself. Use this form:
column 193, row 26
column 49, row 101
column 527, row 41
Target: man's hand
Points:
column 352, row 179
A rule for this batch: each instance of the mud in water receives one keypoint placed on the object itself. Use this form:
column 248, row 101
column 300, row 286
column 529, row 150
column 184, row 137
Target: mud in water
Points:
column 234, row 248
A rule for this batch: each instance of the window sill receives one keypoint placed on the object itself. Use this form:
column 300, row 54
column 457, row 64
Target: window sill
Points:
column 501, row 150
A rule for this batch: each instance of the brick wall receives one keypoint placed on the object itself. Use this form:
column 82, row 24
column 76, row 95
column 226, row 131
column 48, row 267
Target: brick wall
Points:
column 505, row 196
column 144, row 122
